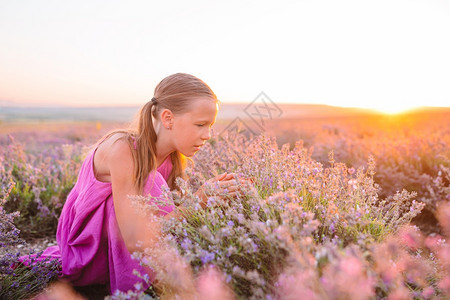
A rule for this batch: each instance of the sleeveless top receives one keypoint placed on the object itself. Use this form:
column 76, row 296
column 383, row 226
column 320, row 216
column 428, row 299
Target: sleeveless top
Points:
column 90, row 245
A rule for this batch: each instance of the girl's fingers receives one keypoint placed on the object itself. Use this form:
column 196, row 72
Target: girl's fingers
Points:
column 227, row 183
column 230, row 184
column 232, row 188
column 231, row 176
column 220, row 177
column 229, row 195
column 245, row 181
column 228, row 176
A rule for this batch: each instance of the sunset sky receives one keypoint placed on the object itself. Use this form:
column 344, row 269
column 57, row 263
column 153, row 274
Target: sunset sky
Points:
column 383, row 54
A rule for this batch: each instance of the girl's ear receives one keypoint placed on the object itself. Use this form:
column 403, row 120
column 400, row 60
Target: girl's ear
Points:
column 167, row 118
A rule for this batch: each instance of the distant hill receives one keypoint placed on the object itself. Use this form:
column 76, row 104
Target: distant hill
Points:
column 23, row 114
column 227, row 111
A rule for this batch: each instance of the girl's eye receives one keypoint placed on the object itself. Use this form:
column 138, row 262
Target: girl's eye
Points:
column 200, row 125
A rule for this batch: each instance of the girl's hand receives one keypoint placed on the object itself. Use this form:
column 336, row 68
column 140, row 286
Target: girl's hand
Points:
column 227, row 184
column 223, row 184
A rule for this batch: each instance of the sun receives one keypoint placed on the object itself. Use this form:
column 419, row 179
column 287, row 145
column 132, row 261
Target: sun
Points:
column 393, row 108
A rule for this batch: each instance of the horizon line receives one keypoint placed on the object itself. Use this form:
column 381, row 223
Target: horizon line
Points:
column 10, row 104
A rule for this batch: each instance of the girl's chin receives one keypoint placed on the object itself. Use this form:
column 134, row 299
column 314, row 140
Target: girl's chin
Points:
column 191, row 152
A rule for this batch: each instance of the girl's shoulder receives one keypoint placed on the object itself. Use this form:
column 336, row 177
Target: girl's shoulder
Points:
column 116, row 144
column 118, row 136
column 112, row 150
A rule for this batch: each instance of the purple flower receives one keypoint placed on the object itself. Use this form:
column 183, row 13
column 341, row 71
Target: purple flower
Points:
column 228, row 279
column 186, row 244
column 332, row 229
column 206, row 256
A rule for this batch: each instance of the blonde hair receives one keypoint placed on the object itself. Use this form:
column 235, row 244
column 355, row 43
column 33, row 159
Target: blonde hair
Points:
column 175, row 92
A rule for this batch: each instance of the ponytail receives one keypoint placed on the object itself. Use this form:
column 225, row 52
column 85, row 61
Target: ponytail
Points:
column 145, row 155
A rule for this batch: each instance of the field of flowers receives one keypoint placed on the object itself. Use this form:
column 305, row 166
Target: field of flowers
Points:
column 325, row 212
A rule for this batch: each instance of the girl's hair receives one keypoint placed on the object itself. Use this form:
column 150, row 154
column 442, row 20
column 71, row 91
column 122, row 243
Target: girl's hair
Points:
column 175, row 92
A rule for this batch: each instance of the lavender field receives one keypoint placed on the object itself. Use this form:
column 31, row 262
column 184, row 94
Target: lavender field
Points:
column 349, row 206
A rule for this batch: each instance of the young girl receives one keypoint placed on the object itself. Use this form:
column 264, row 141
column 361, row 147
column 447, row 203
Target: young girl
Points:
column 98, row 227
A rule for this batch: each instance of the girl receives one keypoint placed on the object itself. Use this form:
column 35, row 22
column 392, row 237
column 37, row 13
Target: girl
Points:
column 98, row 227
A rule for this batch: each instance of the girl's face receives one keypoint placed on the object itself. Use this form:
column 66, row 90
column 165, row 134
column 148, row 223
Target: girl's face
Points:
column 192, row 129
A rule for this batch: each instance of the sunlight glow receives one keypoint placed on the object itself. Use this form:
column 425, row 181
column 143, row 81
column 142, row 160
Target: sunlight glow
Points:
column 394, row 108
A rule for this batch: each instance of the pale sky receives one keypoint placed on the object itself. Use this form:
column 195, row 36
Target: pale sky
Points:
column 375, row 54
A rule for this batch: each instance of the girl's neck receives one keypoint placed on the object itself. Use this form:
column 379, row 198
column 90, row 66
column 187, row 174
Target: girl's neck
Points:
column 163, row 144
column 162, row 151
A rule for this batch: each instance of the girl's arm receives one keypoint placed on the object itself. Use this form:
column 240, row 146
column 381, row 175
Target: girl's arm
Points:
column 133, row 226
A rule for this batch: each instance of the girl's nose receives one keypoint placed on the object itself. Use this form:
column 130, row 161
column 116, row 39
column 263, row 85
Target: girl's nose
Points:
column 206, row 134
